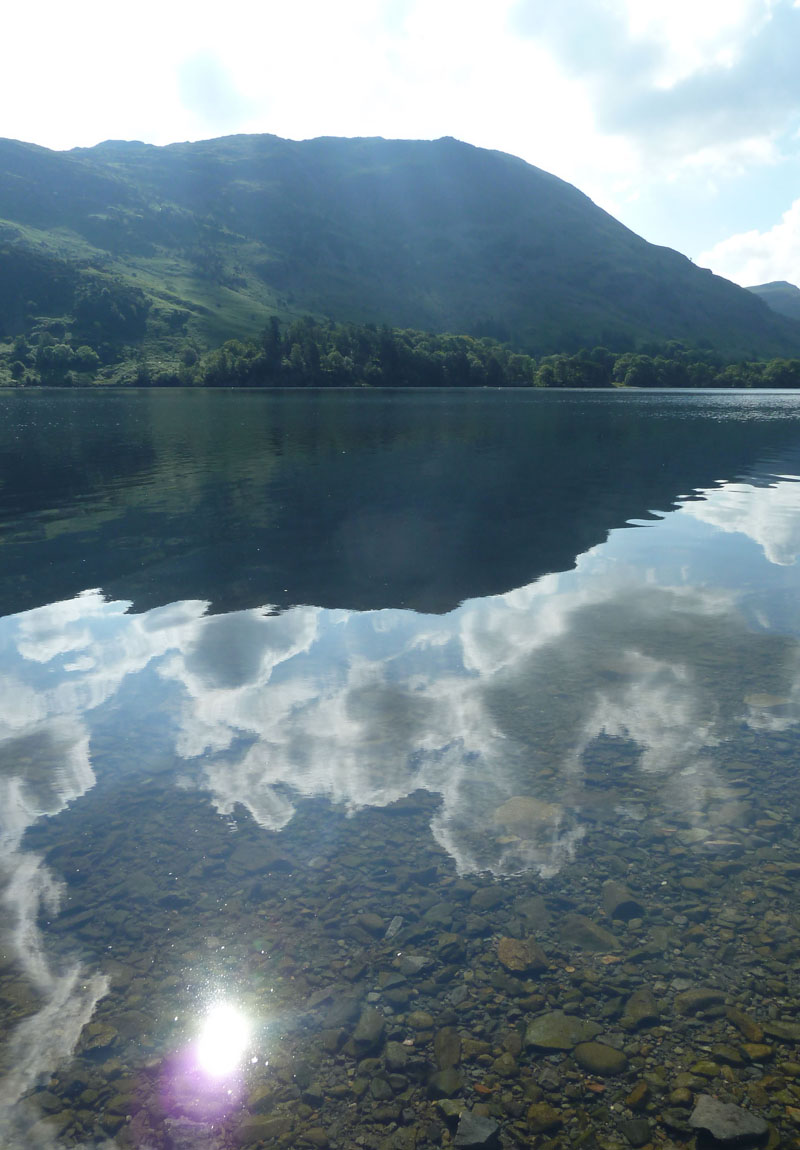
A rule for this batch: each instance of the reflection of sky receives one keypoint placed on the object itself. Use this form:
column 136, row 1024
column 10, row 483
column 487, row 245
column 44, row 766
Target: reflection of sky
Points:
column 493, row 707
column 362, row 708
column 770, row 516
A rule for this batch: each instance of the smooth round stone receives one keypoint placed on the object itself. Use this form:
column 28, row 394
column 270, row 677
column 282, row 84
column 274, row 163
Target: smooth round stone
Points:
column 705, row 1068
column 559, row 1031
column 542, row 1117
column 420, row 1020
column 505, row 1066
column 597, row 1058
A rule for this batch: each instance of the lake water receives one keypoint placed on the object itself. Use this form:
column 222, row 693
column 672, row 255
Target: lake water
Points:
column 398, row 770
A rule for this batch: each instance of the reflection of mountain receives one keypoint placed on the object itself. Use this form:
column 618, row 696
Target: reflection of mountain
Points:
column 498, row 702
column 360, row 501
column 503, row 709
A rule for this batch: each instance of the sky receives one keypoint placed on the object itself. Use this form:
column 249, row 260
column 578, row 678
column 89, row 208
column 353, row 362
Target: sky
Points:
column 680, row 117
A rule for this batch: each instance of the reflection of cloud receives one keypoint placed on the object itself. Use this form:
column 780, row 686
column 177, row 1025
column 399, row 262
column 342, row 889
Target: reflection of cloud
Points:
column 41, row 770
column 63, row 660
column 364, row 709
column 30, row 888
column 478, row 706
column 42, row 1043
column 500, row 708
column 770, row 516
column 660, row 708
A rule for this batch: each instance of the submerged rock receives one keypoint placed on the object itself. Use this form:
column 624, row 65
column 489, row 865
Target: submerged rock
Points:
column 785, row 1031
column 559, row 1031
column 476, row 1132
column 543, row 1117
column 581, row 931
column 597, row 1058
column 690, row 1001
column 729, row 1124
column 637, row 1131
column 618, row 902
column 447, row 1047
column 369, row 1030
column 641, row 1009
column 521, row 955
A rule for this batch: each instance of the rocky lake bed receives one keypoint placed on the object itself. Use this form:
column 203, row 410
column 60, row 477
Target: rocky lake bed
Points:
column 645, row 995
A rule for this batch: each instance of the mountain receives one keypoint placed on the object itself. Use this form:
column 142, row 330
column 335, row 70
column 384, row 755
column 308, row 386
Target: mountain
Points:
column 782, row 297
column 127, row 248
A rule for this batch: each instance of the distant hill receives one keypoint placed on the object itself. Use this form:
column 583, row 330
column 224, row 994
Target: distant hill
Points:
column 133, row 249
column 782, row 297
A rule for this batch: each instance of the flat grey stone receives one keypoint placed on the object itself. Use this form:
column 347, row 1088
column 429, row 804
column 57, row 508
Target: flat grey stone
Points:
column 559, row 1031
column 369, row 1030
column 476, row 1132
column 637, row 1131
column 578, row 930
column 641, row 1009
column 729, row 1124
column 690, row 1001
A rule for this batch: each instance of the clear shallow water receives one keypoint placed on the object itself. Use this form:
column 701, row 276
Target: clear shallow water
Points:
column 312, row 703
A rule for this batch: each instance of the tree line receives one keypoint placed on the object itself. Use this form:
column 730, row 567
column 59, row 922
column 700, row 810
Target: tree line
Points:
column 314, row 353
column 309, row 353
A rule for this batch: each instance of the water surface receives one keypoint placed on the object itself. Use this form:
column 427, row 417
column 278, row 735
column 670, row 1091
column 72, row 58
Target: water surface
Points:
column 326, row 708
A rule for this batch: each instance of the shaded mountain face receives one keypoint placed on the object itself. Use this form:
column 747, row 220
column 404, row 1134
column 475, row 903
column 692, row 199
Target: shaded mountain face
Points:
column 436, row 235
column 782, row 297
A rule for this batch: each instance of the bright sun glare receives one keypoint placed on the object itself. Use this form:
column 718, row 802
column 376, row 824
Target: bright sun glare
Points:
column 223, row 1041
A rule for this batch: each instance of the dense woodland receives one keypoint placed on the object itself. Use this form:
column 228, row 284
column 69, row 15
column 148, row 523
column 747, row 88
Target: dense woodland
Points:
column 309, row 353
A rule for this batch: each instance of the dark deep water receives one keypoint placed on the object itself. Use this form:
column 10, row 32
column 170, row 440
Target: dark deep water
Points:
column 355, row 748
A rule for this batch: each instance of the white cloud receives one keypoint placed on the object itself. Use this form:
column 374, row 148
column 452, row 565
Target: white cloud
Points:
column 754, row 257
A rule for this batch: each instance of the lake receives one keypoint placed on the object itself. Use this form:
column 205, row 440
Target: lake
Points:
column 399, row 770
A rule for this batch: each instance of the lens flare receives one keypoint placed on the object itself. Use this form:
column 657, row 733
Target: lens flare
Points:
column 224, row 1038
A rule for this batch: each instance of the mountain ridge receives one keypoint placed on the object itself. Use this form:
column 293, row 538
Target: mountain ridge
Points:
column 780, row 295
column 206, row 240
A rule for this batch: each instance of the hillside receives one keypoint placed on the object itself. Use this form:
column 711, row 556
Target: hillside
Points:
column 782, row 297
column 127, row 249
